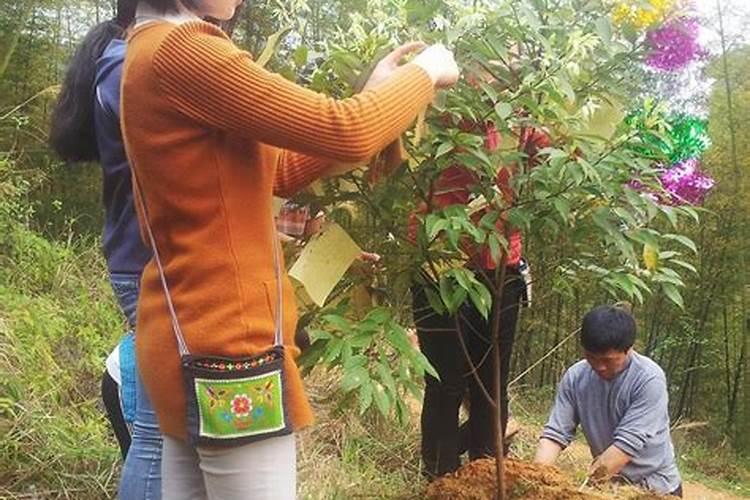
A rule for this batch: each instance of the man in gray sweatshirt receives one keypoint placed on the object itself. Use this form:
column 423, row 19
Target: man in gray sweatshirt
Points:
column 619, row 398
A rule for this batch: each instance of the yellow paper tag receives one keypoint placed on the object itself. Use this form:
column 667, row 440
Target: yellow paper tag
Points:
column 323, row 262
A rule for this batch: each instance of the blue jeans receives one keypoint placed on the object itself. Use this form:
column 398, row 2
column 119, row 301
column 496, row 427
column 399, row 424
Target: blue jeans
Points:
column 141, row 474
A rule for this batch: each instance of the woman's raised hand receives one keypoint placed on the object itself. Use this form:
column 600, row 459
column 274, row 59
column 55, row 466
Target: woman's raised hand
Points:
column 436, row 60
column 440, row 64
column 391, row 62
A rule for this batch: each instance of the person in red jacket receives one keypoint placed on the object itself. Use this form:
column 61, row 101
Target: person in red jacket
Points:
column 442, row 440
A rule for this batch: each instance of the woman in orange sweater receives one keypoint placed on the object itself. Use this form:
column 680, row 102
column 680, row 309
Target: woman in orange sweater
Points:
column 211, row 137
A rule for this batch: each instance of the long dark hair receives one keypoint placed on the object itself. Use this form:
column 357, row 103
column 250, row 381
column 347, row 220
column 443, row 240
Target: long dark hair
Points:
column 72, row 134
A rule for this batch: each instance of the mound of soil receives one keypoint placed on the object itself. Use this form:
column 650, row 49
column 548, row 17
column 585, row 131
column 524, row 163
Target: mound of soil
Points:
column 476, row 481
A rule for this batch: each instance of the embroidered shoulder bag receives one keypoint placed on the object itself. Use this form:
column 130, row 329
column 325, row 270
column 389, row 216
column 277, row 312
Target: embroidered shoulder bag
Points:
column 231, row 401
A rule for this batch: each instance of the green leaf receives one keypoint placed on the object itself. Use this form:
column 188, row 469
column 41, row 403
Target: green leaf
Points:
column 318, row 334
column 382, row 402
column 461, row 276
column 355, row 361
column 338, row 322
column 563, row 208
column 482, row 156
column 495, row 250
column 671, row 215
column 684, row 264
column 673, row 294
column 683, row 240
column 453, row 237
column 489, row 90
column 354, row 378
column 379, row 315
column 396, row 336
column 309, row 359
column 530, row 16
column 482, row 299
column 271, row 44
column 423, row 363
column 361, row 339
column 435, row 301
column 564, row 85
column 691, row 212
column 458, row 298
column 300, row 55
column 623, row 282
column 333, row 350
column 434, row 226
column 603, row 28
column 645, row 236
column 420, row 11
column 386, row 378
column 365, row 397
column 601, row 219
column 503, row 110
column 443, row 148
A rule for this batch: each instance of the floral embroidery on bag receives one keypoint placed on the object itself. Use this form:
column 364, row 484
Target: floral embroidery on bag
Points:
column 240, row 407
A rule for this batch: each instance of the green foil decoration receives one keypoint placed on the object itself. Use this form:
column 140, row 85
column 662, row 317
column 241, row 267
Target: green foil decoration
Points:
column 686, row 137
column 689, row 137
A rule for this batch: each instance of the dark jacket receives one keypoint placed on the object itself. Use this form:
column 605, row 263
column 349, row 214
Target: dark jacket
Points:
column 123, row 248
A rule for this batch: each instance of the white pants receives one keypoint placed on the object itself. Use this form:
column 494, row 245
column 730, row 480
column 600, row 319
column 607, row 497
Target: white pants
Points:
column 266, row 470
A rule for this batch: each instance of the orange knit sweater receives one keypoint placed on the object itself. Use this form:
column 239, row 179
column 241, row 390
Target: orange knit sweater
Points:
column 212, row 137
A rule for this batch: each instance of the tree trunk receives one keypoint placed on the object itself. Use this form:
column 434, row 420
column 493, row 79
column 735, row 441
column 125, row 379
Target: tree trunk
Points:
column 497, row 378
column 26, row 11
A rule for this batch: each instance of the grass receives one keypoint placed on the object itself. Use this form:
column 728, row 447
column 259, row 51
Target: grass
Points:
column 58, row 321
column 709, row 460
column 345, row 456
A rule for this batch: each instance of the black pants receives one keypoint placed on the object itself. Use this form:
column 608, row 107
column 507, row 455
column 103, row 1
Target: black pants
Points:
column 439, row 342
column 111, row 399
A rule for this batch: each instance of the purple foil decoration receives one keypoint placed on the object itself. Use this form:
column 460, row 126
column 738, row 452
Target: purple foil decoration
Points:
column 683, row 184
column 674, row 45
column 686, row 183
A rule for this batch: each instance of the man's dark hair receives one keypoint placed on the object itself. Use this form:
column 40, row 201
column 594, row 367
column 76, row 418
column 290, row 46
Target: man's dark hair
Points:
column 608, row 327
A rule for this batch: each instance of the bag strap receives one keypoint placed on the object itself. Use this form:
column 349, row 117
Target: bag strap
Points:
column 182, row 345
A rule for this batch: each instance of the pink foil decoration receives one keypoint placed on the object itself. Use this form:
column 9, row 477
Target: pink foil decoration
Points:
column 674, row 45
column 683, row 184
column 686, row 183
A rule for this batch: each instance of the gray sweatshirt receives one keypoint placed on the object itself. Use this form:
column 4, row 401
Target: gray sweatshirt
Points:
column 629, row 411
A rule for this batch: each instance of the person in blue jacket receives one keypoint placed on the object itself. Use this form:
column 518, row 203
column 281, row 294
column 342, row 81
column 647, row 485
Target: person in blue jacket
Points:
column 86, row 127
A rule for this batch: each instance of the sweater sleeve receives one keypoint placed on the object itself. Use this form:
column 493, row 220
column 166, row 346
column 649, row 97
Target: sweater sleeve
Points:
column 296, row 171
column 645, row 418
column 208, row 79
column 563, row 420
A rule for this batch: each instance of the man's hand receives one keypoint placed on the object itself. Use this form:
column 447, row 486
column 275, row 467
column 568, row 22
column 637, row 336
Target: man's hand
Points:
column 547, row 452
column 608, row 464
